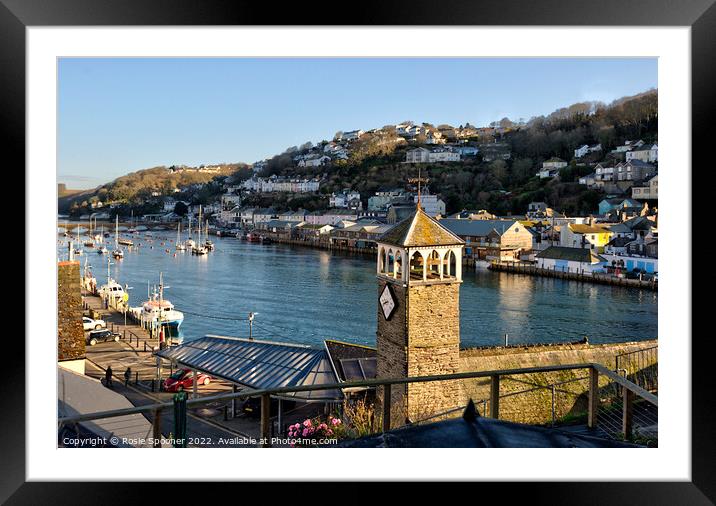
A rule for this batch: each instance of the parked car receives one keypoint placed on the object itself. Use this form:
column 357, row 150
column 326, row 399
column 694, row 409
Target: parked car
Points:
column 183, row 379
column 90, row 324
column 104, row 336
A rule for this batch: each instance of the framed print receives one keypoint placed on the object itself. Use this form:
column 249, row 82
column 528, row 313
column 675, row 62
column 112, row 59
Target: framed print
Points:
column 433, row 231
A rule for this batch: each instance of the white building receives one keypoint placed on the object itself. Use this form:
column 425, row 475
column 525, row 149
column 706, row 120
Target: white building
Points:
column 648, row 153
column 424, row 155
column 431, row 204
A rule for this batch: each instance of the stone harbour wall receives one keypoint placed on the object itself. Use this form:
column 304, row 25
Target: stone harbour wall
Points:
column 536, row 406
column 70, row 333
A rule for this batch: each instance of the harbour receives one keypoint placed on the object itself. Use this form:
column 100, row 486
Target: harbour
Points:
column 304, row 295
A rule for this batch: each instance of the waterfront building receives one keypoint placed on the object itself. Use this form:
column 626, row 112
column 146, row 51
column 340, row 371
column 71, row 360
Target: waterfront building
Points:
column 564, row 259
column 576, row 235
column 491, row 240
column 419, row 271
column 610, row 204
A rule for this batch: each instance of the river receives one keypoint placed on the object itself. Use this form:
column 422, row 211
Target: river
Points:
column 306, row 295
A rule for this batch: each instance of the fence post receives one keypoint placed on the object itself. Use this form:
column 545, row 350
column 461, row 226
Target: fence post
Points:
column 386, row 407
column 265, row 422
column 156, row 428
column 593, row 407
column 495, row 396
column 627, row 412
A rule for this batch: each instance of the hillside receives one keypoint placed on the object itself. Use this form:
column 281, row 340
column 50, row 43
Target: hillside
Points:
column 139, row 189
column 501, row 178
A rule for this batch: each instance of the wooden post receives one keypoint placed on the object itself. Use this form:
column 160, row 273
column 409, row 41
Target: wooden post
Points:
column 157, row 428
column 386, row 408
column 495, row 396
column 265, row 423
column 627, row 412
column 593, row 407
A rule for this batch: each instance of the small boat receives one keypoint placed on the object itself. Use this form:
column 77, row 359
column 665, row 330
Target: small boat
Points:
column 179, row 245
column 102, row 250
column 199, row 248
column 117, row 253
column 252, row 237
column 266, row 240
column 126, row 242
column 209, row 245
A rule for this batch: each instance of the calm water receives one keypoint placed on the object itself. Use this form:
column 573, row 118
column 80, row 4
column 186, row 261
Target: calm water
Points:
column 306, row 295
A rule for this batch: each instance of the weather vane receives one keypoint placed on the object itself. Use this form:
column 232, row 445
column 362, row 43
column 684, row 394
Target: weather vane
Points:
column 418, row 180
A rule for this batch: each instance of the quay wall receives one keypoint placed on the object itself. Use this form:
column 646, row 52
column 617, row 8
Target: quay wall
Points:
column 70, row 331
column 536, row 406
column 575, row 276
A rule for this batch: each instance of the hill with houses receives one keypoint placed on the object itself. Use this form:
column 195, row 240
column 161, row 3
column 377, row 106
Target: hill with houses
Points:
column 570, row 159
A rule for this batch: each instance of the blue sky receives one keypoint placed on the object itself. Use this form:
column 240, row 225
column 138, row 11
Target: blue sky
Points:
column 121, row 115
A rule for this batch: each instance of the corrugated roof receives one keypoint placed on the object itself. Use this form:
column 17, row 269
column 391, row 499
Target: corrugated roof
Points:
column 420, row 230
column 259, row 364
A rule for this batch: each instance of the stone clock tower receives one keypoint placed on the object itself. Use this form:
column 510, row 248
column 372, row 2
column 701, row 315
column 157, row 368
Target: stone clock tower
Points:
column 419, row 272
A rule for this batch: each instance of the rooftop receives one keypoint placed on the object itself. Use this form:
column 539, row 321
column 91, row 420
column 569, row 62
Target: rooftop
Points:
column 583, row 255
column 420, row 230
column 259, row 364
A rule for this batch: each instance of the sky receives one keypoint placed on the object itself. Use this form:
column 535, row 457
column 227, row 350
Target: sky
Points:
column 119, row 115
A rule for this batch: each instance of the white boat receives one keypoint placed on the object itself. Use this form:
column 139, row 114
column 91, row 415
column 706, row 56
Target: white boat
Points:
column 199, row 248
column 179, row 246
column 102, row 251
column 189, row 243
column 160, row 312
column 208, row 244
column 111, row 289
column 78, row 250
column 117, row 253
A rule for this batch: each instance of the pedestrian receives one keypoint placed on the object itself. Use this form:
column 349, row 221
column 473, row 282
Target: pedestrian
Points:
column 108, row 377
column 127, row 376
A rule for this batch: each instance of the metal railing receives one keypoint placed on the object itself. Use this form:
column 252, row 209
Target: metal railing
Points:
column 631, row 392
column 640, row 367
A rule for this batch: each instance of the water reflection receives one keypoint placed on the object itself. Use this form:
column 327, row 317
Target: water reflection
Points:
column 307, row 295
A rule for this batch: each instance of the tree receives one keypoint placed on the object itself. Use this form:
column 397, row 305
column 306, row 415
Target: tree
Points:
column 180, row 209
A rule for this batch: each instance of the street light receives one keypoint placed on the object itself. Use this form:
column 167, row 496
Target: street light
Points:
column 251, row 325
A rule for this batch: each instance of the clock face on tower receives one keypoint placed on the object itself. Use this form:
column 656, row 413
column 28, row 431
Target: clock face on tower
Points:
column 387, row 302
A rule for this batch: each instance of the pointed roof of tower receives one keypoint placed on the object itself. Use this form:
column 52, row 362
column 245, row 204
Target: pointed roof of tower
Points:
column 420, row 230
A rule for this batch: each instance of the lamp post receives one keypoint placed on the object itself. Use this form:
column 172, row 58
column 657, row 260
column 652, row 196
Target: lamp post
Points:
column 251, row 325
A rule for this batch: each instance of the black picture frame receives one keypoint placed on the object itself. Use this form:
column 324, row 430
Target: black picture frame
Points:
column 700, row 15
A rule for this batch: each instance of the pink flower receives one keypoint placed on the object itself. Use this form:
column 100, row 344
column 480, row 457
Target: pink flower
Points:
column 307, row 423
column 336, row 421
column 305, row 432
column 329, row 432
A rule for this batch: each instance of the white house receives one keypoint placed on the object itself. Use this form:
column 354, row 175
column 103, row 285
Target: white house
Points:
column 648, row 153
column 418, row 155
column 563, row 259
column 431, row 204
column 586, row 149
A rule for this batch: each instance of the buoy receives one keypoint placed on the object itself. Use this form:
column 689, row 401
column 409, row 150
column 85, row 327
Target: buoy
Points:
column 175, row 255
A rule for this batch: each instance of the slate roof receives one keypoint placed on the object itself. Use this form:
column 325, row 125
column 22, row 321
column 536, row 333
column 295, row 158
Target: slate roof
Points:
column 420, row 230
column 476, row 228
column 583, row 255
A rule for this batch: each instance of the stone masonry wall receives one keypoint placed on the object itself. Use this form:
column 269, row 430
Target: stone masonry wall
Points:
column 70, row 333
column 421, row 338
column 433, row 347
column 536, row 406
